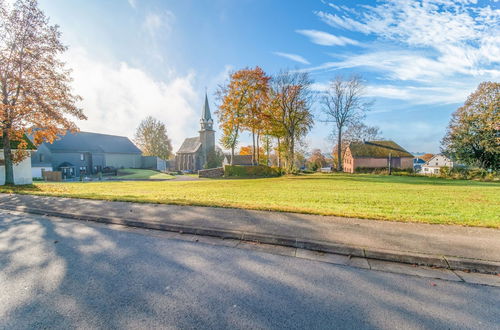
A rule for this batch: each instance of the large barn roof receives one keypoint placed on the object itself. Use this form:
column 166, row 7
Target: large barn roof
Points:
column 94, row 142
column 378, row 149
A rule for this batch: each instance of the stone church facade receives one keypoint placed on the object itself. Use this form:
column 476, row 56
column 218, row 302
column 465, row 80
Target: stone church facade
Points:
column 193, row 153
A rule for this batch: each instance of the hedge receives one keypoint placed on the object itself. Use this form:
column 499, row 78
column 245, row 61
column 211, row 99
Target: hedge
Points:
column 258, row 171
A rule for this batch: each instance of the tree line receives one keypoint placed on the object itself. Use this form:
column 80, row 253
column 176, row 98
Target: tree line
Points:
column 277, row 112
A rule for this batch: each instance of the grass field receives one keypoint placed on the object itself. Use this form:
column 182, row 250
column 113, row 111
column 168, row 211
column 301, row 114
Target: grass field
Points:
column 138, row 174
column 401, row 198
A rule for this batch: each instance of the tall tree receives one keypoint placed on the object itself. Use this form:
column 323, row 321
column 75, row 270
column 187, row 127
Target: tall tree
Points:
column 290, row 110
column 343, row 105
column 233, row 99
column 473, row 135
column 36, row 96
column 151, row 137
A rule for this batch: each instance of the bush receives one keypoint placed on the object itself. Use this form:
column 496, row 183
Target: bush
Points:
column 463, row 173
column 258, row 171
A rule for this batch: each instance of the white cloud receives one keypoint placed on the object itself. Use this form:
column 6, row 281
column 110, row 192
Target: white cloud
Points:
column 451, row 37
column 117, row 96
column 327, row 39
column 293, row 57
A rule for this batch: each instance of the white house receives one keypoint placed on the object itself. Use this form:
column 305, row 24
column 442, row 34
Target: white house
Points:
column 22, row 170
column 434, row 164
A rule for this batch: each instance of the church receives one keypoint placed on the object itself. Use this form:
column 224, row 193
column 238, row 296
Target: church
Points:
column 193, row 153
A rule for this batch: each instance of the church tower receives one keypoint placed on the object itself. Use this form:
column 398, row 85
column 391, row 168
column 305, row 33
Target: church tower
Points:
column 207, row 133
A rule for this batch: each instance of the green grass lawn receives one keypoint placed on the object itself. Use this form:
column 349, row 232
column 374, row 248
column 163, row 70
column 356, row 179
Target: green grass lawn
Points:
column 138, row 174
column 418, row 199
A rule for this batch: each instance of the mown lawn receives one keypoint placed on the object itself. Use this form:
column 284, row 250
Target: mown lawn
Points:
column 138, row 174
column 418, row 199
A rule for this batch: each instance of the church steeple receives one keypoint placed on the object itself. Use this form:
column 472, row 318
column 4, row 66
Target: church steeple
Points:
column 206, row 118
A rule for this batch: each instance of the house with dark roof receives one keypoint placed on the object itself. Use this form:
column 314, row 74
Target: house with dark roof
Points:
column 193, row 153
column 376, row 154
column 244, row 160
column 83, row 153
column 22, row 170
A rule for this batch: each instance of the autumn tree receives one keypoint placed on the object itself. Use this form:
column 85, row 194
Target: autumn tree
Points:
column 473, row 135
column 151, row 137
column 289, row 112
column 343, row 105
column 316, row 160
column 233, row 99
column 246, row 150
column 36, row 98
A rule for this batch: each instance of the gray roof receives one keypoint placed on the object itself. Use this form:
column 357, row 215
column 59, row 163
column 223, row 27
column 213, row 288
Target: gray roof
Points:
column 240, row 159
column 205, row 115
column 190, row 145
column 93, row 142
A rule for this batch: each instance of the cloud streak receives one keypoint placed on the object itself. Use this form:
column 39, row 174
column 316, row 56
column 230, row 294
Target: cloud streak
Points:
column 326, row 39
column 293, row 57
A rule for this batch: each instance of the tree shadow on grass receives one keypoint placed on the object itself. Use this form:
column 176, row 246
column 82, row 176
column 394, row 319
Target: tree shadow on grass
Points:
column 76, row 275
column 399, row 179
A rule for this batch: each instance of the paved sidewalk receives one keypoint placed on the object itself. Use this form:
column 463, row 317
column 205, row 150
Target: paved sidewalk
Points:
column 446, row 246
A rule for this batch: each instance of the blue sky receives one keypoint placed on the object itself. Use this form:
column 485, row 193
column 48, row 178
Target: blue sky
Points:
column 420, row 59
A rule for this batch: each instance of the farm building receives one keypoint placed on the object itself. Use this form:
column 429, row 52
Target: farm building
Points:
column 245, row 160
column 84, row 153
column 376, row 154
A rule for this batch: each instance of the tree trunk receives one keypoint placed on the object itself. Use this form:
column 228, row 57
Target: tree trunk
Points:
column 291, row 152
column 339, row 151
column 232, row 154
column 258, row 148
column 9, row 166
column 268, row 146
column 253, row 146
column 279, row 153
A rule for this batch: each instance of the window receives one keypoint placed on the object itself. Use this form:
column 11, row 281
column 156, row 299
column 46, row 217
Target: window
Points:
column 41, row 158
column 82, row 157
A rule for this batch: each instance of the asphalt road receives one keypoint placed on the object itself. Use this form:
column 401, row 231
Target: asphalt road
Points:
column 57, row 273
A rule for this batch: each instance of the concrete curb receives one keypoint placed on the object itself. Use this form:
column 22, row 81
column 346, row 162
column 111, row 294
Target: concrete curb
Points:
column 408, row 257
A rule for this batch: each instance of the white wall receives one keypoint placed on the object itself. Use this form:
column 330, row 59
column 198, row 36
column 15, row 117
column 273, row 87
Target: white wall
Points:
column 36, row 172
column 22, row 172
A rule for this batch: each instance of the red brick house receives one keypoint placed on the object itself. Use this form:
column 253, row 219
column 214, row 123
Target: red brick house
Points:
column 376, row 154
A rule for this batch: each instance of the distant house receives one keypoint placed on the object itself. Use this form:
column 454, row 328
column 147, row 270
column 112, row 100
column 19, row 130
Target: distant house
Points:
column 434, row 164
column 376, row 154
column 419, row 161
column 22, row 170
column 82, row 153
column 245, row 160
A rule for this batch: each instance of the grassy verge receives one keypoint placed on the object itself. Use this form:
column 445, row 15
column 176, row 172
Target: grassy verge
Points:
column 138, row 174
column 418, row 199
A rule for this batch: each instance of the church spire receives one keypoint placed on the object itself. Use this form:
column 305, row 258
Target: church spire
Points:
column 206, row 118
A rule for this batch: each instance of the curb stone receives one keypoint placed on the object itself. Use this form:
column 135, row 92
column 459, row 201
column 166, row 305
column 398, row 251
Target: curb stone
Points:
column 407, row 257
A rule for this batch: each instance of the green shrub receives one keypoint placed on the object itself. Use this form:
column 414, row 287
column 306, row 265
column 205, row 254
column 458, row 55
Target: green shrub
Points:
column 258, row 171
column 463, row 173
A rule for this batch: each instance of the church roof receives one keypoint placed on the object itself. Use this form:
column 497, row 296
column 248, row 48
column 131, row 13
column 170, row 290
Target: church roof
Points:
column 190, row 145
column 205, row 115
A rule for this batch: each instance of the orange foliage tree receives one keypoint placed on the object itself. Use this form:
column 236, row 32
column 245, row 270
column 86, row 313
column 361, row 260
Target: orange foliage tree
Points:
column 34, row 83
column 242, row 102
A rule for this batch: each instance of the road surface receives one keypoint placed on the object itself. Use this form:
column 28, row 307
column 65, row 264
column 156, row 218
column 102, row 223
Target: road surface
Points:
column 61, row 274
